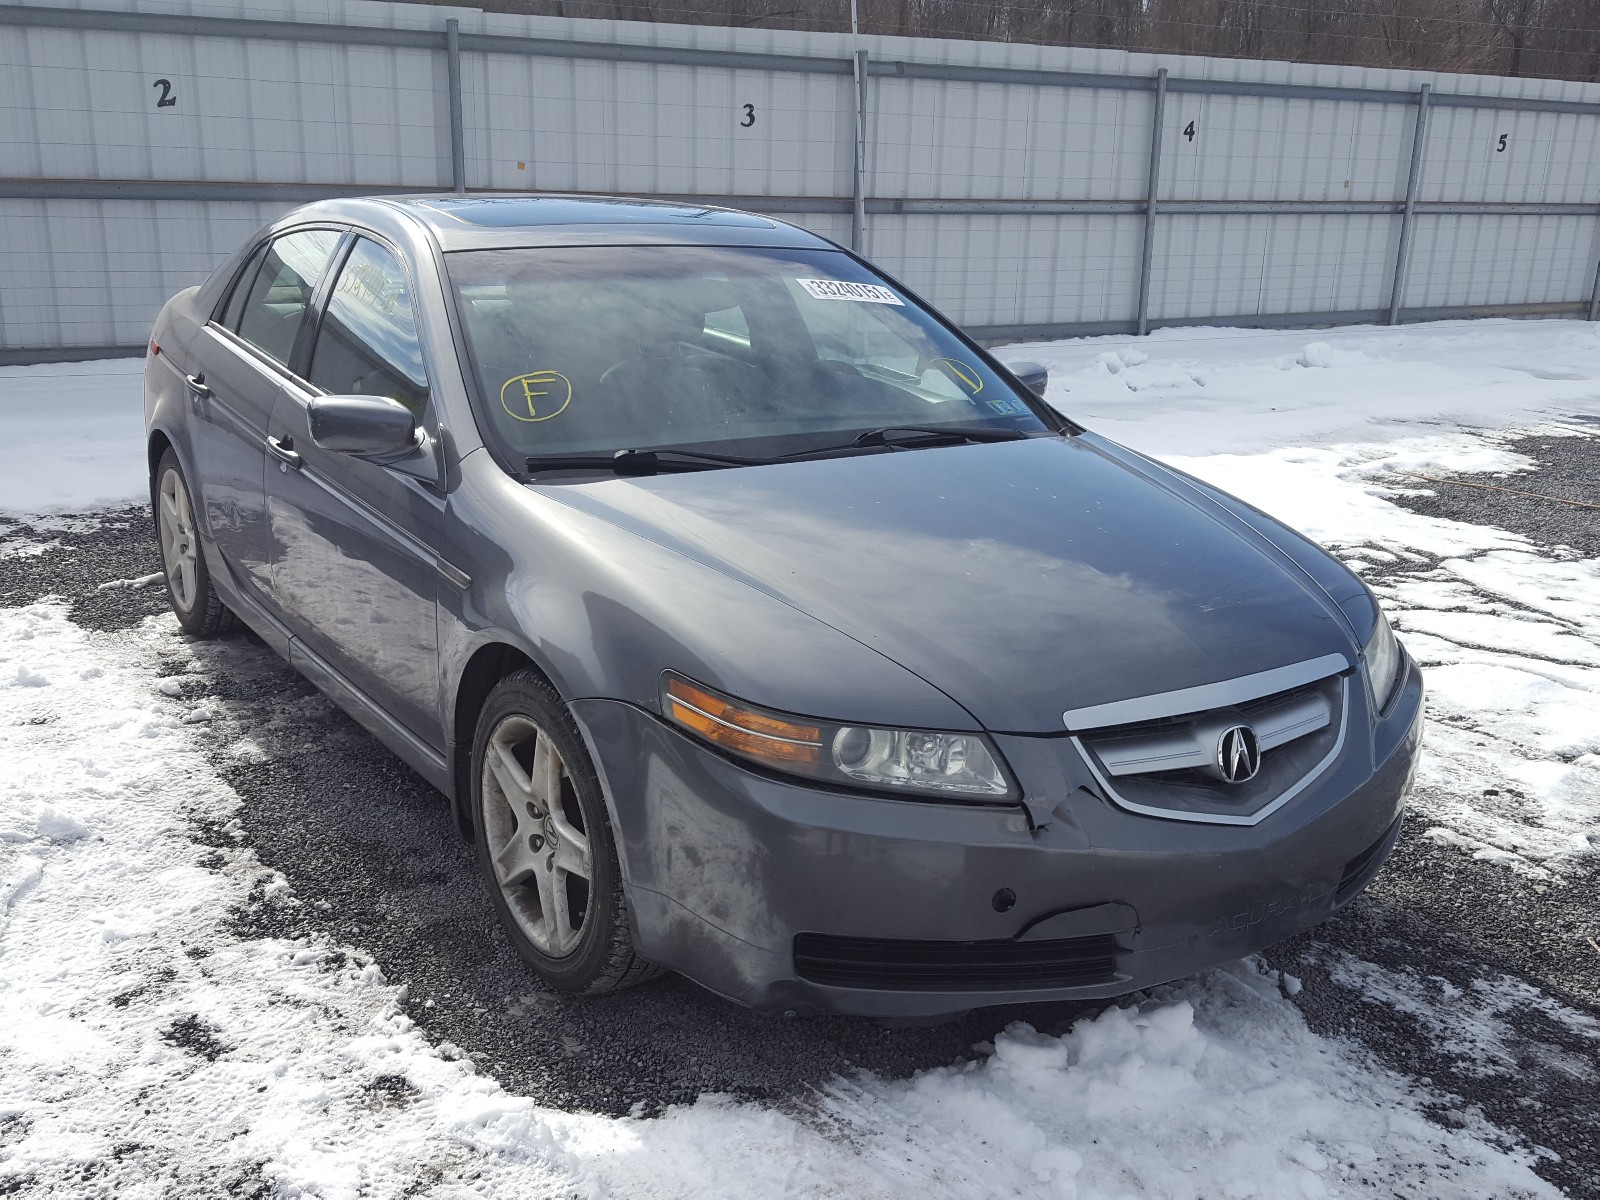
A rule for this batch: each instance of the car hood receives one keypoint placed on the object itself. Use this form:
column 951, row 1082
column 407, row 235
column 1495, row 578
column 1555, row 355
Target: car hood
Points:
column 1021, row 578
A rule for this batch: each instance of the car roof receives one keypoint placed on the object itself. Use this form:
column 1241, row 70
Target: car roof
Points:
column 481, row 222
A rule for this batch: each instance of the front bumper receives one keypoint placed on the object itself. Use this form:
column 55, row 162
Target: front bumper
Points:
column 726, row 866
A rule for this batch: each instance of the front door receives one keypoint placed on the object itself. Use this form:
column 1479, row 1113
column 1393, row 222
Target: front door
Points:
column 353, row 570
column 241, row 363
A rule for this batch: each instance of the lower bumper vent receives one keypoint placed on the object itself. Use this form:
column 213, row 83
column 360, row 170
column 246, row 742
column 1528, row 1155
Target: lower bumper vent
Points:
column 893, row 964
column 1360, row 869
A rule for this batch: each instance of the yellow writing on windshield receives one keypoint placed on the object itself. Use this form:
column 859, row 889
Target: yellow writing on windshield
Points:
column 963, row 373
column 536, row 396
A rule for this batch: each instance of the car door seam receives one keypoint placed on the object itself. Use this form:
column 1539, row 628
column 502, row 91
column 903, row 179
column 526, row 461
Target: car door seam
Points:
column 407, row 540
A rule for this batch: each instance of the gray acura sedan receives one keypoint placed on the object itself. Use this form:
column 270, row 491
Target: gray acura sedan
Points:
column 757, row 623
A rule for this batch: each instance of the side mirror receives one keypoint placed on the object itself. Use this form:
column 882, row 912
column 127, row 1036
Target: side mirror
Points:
column 1032, row 376
column 366, row 426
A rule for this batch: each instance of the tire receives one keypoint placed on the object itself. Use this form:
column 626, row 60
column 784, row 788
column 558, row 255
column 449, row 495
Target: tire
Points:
column 183, row 563
column 551, row 868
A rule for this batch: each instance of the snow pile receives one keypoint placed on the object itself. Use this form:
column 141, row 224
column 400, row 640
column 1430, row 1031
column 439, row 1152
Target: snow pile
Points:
column 149, row 1049
column 1202, row 392
column 1212, row 1089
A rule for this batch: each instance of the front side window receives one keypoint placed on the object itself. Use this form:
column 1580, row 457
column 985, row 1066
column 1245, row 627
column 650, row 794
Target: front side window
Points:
column 367, row 344
column 587, row 350
column 281, row 292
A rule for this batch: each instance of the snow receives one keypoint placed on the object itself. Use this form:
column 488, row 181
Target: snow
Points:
column 145, row 1039
column 74, row 437
column 127, row 1015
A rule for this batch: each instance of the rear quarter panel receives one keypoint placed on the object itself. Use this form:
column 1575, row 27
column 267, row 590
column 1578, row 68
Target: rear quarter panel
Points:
column 166, row 395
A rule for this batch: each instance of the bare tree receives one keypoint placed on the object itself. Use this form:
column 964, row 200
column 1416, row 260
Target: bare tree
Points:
column 1559, row 38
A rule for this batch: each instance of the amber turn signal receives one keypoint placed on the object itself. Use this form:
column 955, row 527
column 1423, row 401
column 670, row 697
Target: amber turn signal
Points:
column 762, row 736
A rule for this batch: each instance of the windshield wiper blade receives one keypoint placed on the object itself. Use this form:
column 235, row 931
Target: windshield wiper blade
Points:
column 641, row 462
column 953, row 434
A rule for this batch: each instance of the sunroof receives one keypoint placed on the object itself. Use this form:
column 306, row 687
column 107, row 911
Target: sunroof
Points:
column 511, row 211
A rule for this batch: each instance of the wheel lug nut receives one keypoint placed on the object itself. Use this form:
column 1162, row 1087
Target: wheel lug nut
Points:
column 536, row 843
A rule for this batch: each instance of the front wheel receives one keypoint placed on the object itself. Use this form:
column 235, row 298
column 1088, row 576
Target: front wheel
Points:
column 189, row 589
column 545, row 845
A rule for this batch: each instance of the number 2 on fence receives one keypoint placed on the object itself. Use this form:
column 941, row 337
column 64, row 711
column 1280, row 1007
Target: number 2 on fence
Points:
column 167, row 99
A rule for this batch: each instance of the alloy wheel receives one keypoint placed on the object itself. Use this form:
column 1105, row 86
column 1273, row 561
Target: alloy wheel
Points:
column 537, row 844
column 180, row 552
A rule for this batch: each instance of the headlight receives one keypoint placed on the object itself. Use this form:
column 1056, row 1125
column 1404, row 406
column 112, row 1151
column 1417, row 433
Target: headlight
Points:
column 900, row 760
column 1384, row 659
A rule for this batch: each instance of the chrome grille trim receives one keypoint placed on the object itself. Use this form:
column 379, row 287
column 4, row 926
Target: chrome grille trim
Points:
column 1205, row 697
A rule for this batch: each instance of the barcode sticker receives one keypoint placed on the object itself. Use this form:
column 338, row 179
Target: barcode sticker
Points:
column 839, row 289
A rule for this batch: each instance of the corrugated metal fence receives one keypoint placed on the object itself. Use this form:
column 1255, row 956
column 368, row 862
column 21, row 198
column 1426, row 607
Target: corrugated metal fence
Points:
column 1030, row 191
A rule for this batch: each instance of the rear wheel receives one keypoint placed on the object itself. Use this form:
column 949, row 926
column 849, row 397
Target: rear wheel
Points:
column 194, row 600
column 545, row 845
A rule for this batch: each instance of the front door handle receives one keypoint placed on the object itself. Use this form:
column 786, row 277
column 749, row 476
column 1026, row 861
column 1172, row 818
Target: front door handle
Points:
column 283, row 450
column 198, row 391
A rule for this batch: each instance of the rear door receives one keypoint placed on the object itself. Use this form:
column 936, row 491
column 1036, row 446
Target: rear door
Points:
column 354, row 568
column 241, row 367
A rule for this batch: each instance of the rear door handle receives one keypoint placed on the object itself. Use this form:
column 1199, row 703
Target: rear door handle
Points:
column 283, row 450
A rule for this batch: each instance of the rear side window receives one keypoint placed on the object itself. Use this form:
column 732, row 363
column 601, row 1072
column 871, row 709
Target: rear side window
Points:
column 368, row 344
column 241, row 289
column 281, row 291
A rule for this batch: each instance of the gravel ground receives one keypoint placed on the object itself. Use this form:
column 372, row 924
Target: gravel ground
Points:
column 375, row 862
column 1569, row 469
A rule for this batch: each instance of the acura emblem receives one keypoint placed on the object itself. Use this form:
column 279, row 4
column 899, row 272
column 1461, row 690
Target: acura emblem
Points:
column 1238, row 754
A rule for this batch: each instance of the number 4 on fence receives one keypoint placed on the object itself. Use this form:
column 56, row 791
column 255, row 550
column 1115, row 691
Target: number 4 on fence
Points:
column 1188, row 131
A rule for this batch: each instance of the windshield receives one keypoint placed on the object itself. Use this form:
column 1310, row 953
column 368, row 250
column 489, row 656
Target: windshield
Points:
column 590, row 350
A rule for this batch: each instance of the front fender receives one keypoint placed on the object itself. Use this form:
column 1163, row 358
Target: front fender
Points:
column 603, row 612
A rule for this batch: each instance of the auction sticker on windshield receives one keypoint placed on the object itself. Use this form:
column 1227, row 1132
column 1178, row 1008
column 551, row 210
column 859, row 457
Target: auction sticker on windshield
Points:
column 839, row 289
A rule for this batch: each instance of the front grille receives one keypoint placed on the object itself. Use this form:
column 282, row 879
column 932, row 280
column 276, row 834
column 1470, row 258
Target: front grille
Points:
column 1167, row 766
column 1251, row 707
column 1357, row 870
column 904, row 965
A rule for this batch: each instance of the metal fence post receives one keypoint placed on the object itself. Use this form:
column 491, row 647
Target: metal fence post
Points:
column 458, row 148
column 858, row 209
column 1403, row 252
column 1157, row 126
column 1594, row 297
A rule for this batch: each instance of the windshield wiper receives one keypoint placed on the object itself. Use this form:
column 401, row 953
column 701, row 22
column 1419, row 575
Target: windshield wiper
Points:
column 924, row 435
column 655, row 462
column 641, row 462
column 921, row 437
